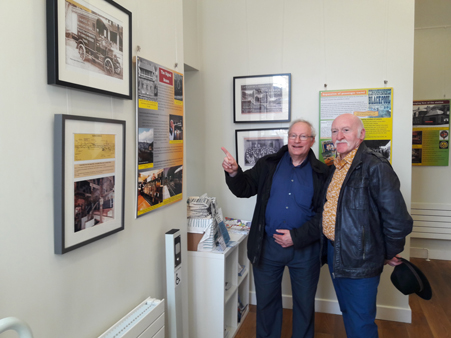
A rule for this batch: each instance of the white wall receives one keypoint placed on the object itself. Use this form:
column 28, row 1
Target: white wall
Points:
column 194, row 101
column 344, row 44
column 432, row 80
column 81, row 293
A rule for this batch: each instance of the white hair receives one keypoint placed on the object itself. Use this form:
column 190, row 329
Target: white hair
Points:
column 312, row 130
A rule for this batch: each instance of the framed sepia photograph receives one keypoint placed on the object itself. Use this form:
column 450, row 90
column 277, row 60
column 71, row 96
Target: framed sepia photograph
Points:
column 89, row 46
column 262, row 98
column 252, row 144
column 89, row 180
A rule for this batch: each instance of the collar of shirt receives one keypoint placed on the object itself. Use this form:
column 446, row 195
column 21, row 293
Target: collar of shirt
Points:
column 339, row 163
column 287, row 157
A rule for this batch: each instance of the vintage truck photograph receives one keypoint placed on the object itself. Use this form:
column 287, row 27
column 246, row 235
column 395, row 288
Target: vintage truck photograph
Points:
column 94, row 42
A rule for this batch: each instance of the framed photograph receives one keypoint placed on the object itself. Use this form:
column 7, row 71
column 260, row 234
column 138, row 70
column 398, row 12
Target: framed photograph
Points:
column 252, row 144
column 89, row 46
column 89, row 180
column 262, row 98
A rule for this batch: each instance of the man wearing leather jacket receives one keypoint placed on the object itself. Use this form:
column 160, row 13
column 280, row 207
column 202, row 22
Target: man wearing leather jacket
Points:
column 288, row 186
column 365, row 222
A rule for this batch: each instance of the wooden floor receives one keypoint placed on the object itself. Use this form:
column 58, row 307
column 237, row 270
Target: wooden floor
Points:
column 430, row 319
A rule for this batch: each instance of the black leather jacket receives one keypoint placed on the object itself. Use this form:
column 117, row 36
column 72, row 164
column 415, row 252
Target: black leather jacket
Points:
column 257, row 181
column 372, row 220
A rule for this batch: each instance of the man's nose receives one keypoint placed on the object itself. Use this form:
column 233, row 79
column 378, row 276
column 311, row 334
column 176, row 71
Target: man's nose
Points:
column 340, row 135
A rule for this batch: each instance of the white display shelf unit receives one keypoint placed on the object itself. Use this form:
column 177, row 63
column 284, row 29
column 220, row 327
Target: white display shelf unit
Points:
column 213, row 309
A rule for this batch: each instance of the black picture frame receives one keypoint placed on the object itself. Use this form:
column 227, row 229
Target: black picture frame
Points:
column 262, row 98
column 89, row 46
column 89, row 180
column 252, row 144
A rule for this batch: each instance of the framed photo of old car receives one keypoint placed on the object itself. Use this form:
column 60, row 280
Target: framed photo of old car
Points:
column 253, row 144
column 262, row 98
column 89, row 180
column 89, row 46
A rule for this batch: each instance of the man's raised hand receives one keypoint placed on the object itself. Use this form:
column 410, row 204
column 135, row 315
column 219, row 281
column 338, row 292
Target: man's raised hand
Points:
column 229, row 164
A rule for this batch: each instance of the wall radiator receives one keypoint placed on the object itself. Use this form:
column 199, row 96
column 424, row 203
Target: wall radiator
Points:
column 431, row 220
column 144, row 321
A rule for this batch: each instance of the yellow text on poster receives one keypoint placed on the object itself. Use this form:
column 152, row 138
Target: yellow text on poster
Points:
column 378, row 128
column 345, row 93
column 93, row 169
column 89, row 147
column 145, row 166
column 146, row 104
column 178, row 103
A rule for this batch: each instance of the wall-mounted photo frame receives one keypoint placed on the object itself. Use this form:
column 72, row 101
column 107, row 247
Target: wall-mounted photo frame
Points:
column 89, row 46
column 89, row 180
column 252, row 144
column 262, row 98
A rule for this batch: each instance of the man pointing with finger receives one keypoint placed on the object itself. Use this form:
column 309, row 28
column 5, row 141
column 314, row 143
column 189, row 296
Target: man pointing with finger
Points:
column 288, row 186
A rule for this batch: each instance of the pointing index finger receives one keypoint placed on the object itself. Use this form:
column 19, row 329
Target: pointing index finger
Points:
column 226, row 152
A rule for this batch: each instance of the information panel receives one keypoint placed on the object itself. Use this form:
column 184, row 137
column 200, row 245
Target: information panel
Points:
column 159, row 133
column 373, row 106
column 430, row 133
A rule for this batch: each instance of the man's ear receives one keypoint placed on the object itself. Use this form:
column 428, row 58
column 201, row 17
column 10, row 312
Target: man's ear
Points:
column 362, row 134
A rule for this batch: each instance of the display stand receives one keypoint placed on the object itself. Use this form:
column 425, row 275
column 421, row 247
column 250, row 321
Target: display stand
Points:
column 216, row 284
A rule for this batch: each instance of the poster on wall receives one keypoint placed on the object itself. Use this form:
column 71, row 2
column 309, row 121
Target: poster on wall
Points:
column 374, row 106
column 159, row 150
column 430, row 133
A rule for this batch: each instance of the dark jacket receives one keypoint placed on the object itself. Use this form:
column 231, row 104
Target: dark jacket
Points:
column 372, row 220
column 257, row 181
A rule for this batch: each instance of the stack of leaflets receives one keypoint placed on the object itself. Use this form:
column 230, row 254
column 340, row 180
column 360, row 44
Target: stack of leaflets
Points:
column 201, row 207
column 204, row 217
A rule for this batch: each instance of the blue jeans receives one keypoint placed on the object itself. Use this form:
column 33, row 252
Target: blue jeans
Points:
column 304, row 267
column 357, row 300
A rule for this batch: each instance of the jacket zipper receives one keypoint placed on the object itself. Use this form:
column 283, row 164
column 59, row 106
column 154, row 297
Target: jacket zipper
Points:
column 363, row 242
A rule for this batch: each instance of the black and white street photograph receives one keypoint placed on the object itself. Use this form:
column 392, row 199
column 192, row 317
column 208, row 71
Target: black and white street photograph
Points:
column 430, row 115
column 261, row 98
column 253, row 144
column 147, row 80
column 256, row 148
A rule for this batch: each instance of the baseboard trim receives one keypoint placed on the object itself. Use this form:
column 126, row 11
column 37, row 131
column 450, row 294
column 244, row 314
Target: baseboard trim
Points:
column 392, row 313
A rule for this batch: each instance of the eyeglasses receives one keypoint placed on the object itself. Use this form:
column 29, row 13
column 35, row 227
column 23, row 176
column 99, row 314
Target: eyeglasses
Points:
column 302, row 137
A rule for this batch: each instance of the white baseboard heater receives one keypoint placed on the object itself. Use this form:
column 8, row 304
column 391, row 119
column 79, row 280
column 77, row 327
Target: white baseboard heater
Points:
column 144, row 321
column 431, row 220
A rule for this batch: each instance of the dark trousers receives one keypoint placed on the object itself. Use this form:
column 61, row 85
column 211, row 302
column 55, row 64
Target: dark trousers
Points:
column 357, row 300
column 304, row 267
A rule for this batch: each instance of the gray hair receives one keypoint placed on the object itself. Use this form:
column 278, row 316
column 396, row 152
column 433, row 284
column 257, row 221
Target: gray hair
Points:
column 359, row 126
column 312, row 130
